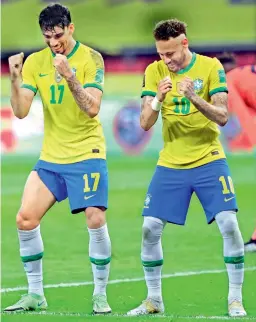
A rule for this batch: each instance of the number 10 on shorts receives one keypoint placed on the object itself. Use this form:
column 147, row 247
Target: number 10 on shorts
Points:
column 96, row 177
column 227, row 185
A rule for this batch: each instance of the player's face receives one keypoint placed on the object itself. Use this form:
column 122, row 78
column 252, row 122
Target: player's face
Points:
column 59, row 39
column 173, row 53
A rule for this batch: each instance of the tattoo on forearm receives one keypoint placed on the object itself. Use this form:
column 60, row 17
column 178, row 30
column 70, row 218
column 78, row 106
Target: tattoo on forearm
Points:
column 217, row 111
column 84, row 100
column 148, row 116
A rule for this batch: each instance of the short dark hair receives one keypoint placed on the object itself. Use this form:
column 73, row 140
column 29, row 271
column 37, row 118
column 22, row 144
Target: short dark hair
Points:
column 54, row 15
column 171, row 28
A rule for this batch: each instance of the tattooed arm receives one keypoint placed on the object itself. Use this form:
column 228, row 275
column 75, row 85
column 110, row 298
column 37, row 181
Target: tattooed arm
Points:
column 88, row 99
column 217, row 111
column 148, row 116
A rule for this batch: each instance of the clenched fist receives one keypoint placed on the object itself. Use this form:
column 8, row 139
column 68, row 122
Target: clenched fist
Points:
column 187, row 87
column 15, row 65
column 164, row 86
column 62, row 66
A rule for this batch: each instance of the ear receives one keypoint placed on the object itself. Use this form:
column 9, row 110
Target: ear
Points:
column 185, row 42
column 71, row 28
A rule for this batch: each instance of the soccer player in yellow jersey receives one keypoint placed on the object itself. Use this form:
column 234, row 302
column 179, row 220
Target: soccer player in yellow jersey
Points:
column 190, row 91
column 69, row 77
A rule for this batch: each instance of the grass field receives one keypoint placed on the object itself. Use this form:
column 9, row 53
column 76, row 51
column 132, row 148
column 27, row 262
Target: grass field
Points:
column 195, row 283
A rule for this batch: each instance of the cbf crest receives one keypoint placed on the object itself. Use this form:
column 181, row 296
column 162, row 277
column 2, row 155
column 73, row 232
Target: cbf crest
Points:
column 198, row 85
column 147, row 201
column 58, row 77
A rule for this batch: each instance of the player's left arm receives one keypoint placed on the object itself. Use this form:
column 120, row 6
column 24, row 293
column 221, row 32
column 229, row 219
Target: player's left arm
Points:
column 216, row 112
column 88, row 99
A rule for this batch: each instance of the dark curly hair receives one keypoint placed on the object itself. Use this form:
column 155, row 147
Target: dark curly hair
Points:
column 54, row 15
column 171, row 28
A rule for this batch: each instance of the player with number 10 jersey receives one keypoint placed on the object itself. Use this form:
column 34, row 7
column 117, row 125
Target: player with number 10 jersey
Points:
column 190, row 90
column 190, row 138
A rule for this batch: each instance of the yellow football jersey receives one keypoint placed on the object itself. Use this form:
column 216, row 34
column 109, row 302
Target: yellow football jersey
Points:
column 190, row 139
column 69, row 134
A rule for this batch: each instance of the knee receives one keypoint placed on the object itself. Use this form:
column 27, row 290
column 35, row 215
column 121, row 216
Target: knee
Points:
column 151, row 230
column 25, row 220
column 227, row 223
column 95, row 217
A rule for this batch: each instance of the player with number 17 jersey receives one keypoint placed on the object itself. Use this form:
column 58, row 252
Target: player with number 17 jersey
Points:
column 69, row 134
column 69, row 78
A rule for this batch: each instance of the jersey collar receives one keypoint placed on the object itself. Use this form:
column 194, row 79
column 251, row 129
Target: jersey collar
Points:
column 72, row 52
column 190, row 65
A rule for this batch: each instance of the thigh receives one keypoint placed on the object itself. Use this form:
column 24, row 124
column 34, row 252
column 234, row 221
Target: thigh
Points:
column 87, row 184
column 50, row 175
column 214, row 187
column 36, row 199
column 168, row 195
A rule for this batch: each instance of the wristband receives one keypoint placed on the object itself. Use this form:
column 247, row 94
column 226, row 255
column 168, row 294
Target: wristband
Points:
column 156, row 104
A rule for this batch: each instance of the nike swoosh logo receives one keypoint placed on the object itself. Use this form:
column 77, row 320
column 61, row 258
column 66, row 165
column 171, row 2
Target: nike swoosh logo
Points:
column 41, row 303
column 88, row 197
column 42, row 75
column 227, row 199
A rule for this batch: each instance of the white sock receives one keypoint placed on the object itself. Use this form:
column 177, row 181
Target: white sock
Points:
column 233, row 253
column 31, row 252
column 100, row 256
column 152, row 255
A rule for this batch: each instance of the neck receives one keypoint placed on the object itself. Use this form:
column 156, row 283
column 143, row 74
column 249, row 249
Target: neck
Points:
column 187, row 60
column 70, row 47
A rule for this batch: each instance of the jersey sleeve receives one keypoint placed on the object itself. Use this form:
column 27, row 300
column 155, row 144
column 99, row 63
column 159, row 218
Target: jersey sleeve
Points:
column 94, row 71
column 28, row 78
column 149, row 87
column 218, row 82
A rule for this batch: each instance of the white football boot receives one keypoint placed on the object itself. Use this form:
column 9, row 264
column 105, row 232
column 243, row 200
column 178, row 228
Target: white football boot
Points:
column 100, row 304
column 152, row 305
column 236, row 309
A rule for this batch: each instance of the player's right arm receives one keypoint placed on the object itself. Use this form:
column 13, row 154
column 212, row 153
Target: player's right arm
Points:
column 21, row 98
column 153, row 95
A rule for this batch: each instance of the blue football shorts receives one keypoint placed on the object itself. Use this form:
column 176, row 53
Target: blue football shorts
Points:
column 170, row 191
column 84, row 183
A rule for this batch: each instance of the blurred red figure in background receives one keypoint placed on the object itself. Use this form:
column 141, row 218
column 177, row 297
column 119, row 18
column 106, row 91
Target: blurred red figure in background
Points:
column 242, row 102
